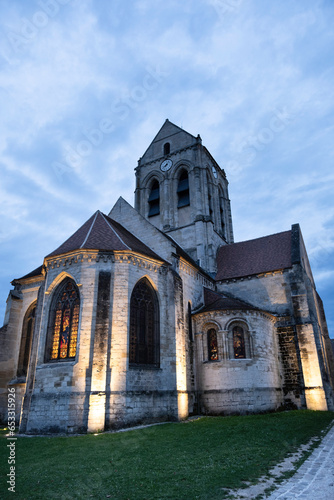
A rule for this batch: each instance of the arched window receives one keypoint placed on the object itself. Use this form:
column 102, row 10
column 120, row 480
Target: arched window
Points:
column 222, row 215
column 183, row 190
column 209, row 196
column 154, row 199
column 239, row 342
column 144, row 325
column 63, row 322
column 166, row 148
column 212, row 345
column 26, row 339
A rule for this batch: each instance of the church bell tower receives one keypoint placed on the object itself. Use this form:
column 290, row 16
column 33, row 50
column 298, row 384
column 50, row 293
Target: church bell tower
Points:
column 182, row 191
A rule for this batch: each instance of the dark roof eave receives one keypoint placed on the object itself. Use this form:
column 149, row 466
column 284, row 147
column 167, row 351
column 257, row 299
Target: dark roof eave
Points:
column 111, row 252
column 36, row 273
column 246, row 276
column 205, row 309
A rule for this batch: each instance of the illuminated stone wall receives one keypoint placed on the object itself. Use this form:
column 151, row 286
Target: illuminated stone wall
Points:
column 18, row 302
column 57, row 400
column 291, row 296
column 138, row 394
column 98, row 390
column 202, row 226
column 228, row 385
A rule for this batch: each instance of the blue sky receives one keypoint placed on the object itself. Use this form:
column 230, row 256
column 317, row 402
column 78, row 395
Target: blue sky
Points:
column 86, row 85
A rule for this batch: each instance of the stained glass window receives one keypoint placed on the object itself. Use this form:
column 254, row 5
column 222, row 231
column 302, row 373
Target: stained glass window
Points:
column 144, row 325
column 65, row 321
column 239, row 342
column 212, row 345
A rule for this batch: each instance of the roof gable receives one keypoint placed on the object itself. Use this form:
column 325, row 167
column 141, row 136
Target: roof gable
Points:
column 215, row 301
column 36, row 272
column 169, row 132
column 261, row 255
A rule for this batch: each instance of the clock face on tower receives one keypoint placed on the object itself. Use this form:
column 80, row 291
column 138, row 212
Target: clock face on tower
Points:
column 166, row 165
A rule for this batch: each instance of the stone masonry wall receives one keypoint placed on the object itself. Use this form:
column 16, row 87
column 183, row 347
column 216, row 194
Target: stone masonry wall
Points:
column 59, row 398
column 230, row 385
column 10, row 338
column 141, row 394
column 291, row 373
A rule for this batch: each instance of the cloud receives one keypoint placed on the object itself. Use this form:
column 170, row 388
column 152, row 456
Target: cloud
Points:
column 225, row 70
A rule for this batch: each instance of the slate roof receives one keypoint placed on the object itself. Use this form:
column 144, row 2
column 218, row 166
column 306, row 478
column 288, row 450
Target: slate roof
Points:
column 35, row 272
column 261, row 255
column 100, row 232
column 214, row 301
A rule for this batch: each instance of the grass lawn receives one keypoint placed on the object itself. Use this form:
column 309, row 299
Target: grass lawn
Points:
column 191, row 460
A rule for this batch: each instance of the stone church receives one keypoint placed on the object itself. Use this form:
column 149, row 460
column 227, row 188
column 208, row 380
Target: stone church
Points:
column 153, row 313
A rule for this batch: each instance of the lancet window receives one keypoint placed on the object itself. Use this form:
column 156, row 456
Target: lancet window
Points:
column 183, row 190
column 26, row 339
column 166, row 148
column 154, row 200
column 212, row 345
column 144, row 325
column 239, row 342
column 64, row 322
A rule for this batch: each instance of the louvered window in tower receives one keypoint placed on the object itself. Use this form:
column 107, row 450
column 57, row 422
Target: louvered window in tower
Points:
column 222, row 215
column 154, row 200
column 209, row 196
column 144, row 325
column 183, row 190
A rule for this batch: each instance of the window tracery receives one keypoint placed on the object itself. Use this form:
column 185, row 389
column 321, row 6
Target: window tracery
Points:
column 64, row 322
column 239, row 341
column 144, row 325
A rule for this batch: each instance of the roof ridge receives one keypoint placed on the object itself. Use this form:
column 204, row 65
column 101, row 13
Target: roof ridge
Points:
column 255, row 239
column 224, row 295
column 114, row 230
column 213, row 291
column 90, row 230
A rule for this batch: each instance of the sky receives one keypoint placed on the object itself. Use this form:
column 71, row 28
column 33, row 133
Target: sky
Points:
column 86, row 85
